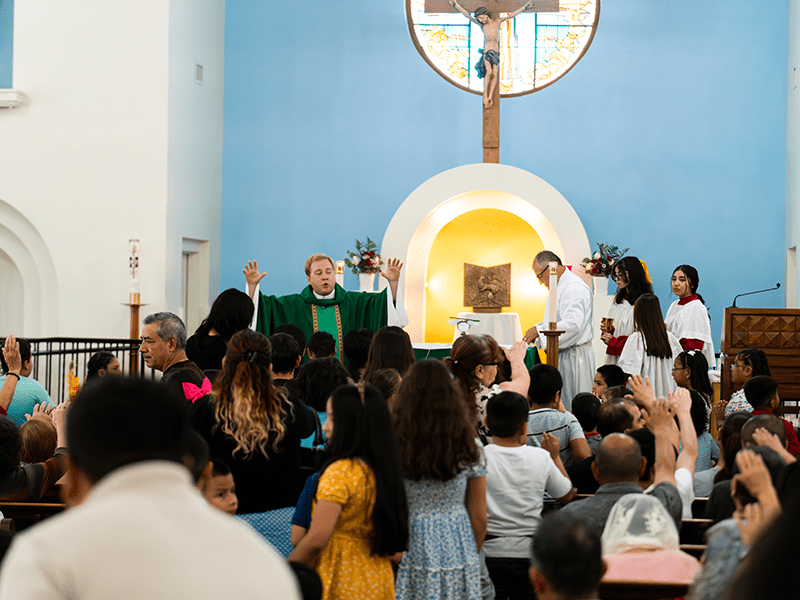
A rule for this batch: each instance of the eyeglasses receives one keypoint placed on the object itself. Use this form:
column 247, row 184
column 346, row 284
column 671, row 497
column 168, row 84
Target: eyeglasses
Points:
column 736, row 364
column 496, row 364
column 678, row 369
column 539, row 276
column 617, row 276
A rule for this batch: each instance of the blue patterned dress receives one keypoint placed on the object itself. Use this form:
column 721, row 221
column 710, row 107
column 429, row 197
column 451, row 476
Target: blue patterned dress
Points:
column 442, row 559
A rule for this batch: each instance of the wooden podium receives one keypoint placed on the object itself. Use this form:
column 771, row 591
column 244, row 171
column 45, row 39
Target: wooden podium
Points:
column 775, row 331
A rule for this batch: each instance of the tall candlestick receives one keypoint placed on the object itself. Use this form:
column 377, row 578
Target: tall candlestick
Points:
column 553, row 294
column 133, row 263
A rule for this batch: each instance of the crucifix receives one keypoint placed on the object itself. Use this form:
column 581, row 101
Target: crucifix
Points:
column 486, row 14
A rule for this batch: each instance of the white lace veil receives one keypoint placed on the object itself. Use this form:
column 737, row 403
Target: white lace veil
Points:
column 639, row 522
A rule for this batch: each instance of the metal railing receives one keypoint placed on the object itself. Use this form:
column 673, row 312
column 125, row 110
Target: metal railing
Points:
column 53, row 356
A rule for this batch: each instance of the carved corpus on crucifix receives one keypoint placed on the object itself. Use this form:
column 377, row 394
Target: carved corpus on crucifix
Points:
column 486, row 14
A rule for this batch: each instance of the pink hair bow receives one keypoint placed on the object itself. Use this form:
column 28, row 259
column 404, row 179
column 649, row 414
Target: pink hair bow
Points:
column 193, row 392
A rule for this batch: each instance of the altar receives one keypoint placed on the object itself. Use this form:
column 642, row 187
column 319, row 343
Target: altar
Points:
column 503, row 327
column 442, row 351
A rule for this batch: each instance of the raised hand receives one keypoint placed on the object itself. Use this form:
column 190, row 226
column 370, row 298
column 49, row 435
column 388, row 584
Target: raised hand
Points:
column 11, row 355
column 59, row 415
column 680, row 400
column 252, row 275
column 516, row 352
column 40, row 411
column 753, row 474
column 643, row 393
column 762, row 437
column 751, row 522
column 658, row 418
column 393, row 268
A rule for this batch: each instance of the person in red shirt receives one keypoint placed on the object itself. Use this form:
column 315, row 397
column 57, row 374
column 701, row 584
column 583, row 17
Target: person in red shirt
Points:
column 762, row 394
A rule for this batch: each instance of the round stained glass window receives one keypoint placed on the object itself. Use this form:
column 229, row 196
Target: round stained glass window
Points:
column 536, row 48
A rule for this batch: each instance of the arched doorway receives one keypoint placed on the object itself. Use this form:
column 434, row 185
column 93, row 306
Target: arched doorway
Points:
column 448, row 195
column 27, row 276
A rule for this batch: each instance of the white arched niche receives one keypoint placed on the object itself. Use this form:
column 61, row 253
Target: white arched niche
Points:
column 448, row 195
column 30, row 274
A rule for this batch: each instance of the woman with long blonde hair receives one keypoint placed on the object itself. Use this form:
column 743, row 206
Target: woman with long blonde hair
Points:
column 253, row 427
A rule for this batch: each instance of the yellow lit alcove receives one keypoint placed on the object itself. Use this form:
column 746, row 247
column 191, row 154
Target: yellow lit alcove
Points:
column 485, row 237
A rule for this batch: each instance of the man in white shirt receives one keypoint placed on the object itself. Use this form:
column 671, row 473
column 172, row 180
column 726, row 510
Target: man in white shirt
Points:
column 517, row 478
column 140, row 529
column 575, row 306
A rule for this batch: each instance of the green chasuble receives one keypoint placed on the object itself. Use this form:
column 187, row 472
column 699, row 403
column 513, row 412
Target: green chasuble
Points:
column 356, row 310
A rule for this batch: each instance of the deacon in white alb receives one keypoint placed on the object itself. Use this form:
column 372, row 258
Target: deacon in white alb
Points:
column 574, row 311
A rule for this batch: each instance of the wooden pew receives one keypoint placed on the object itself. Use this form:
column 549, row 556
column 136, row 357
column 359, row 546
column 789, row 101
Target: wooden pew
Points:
column 693, row 531
column 699, row 507
column 53, row 495
column 26, row 514
column 695, row 550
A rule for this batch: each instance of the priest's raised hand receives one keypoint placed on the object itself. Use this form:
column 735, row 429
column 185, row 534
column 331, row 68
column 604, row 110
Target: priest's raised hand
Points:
column 252, row 276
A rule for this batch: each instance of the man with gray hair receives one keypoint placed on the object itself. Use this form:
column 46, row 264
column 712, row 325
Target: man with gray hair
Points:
column 163, row 349
column 575, row 307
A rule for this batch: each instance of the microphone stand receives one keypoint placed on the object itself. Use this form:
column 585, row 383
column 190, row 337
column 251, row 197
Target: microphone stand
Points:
column 777, row 286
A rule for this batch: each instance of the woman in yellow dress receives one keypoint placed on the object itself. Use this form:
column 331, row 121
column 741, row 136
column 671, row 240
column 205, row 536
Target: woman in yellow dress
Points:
column 360, row 515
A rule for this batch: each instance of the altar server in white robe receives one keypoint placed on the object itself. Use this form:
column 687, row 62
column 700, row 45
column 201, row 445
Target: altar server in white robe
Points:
column 574, row 309
column 688, row 318
column 632, row 281
column 650, row 349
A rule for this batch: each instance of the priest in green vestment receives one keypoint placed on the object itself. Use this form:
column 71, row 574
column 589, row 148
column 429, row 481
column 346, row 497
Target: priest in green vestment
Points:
column 324, row 305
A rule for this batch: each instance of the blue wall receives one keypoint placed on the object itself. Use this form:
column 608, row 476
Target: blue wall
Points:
column 6, row 41
column 668, row 136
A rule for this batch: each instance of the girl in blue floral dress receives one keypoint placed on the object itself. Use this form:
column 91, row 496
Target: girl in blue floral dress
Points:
column 445, row 476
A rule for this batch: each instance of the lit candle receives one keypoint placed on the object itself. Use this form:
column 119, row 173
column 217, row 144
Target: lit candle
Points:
column 553, row 294
column 133, row 263
column 340, row 272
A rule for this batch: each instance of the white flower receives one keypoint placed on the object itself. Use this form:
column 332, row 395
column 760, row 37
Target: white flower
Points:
column 375, row 261
column 355, row 260
column 597, row 255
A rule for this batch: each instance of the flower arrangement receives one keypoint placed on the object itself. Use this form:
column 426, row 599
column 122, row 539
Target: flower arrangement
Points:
column 602, row 263
column 365, row 259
